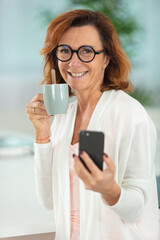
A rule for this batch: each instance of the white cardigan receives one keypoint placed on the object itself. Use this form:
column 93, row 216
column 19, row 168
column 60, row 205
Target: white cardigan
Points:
column 130, row 140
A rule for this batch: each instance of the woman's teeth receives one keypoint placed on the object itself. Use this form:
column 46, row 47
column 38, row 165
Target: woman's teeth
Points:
column 78, row 74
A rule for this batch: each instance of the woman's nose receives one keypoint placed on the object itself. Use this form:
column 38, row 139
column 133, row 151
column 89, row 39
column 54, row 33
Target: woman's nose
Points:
column 75, row 61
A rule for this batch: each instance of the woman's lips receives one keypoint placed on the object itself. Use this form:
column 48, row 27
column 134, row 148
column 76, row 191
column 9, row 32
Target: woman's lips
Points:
column 78, row 74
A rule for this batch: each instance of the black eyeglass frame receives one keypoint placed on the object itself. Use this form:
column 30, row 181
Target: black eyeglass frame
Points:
column 76, row 51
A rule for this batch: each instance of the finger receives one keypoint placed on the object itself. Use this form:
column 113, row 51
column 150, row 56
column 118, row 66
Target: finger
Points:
column 82, row 172
column 38, row 111
column 95, row 171
column 109, row 163
column 36, row 104
column 38, row 97
column 38, row 116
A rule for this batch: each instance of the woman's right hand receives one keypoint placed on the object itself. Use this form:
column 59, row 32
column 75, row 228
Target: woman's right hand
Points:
column 37, row 114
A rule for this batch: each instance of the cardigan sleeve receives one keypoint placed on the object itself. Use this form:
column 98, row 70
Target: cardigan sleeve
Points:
column 137, row 153
column 43, row 174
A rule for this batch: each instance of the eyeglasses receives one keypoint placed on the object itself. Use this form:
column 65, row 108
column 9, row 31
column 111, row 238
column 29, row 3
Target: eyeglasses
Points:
column 85, row 53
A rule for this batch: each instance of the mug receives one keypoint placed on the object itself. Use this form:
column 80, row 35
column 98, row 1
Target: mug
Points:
column 56, row 98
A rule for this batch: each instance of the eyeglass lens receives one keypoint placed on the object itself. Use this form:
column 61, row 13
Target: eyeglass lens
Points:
column 85, row 53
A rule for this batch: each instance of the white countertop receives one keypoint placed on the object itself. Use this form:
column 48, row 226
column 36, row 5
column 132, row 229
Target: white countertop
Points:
column 20, row 211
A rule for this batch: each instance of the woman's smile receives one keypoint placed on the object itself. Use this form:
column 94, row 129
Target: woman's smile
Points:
column 77, row 74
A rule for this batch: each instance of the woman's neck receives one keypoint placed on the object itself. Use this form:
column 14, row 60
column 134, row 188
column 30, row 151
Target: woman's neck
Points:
column 87, row 102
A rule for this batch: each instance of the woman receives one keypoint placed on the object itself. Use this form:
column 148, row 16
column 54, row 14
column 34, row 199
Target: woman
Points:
column 120, row 202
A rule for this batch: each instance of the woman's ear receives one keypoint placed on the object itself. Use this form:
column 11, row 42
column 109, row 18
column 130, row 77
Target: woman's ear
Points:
column 106, row 61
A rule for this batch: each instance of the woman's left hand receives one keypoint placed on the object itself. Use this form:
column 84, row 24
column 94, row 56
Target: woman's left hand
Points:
column 97, row 180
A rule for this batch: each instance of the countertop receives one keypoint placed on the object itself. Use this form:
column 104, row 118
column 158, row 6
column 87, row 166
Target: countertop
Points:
column 20, row 211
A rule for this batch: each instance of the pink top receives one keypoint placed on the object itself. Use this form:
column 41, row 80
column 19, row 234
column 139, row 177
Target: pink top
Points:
column 74, row 195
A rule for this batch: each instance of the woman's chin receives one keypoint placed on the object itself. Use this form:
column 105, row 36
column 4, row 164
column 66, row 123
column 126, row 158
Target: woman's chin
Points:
column 77, row 87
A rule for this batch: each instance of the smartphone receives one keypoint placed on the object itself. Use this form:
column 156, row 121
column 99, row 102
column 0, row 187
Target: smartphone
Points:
column 92, row 142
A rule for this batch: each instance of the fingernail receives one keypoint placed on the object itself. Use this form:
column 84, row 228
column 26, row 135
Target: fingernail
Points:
column 105, row 155
column 73, row 155
column 81, row 152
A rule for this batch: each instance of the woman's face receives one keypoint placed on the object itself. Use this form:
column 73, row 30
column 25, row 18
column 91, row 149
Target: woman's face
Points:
column 79, row 75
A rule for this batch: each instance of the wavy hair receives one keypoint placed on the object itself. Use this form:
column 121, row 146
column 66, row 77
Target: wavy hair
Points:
column 116, row 73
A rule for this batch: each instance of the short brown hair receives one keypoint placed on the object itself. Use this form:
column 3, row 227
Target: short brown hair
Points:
column 118, row 70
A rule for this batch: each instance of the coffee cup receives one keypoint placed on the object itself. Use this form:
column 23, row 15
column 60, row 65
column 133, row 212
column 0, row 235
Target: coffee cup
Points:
column 56, row 98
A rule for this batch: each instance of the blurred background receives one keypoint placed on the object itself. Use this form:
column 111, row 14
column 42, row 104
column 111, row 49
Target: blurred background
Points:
column 23, row 26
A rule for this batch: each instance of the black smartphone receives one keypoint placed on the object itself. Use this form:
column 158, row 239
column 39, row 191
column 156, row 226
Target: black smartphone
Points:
column 92, row 142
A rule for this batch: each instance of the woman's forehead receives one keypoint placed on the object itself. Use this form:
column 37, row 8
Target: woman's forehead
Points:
column 83, row 35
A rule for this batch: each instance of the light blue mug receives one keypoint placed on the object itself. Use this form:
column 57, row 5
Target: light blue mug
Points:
column 56, row 98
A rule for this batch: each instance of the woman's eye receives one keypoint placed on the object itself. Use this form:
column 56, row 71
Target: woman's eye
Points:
column 87, row 51
column 64, row 51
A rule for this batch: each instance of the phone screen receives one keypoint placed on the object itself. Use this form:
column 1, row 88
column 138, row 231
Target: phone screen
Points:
column 92, row 142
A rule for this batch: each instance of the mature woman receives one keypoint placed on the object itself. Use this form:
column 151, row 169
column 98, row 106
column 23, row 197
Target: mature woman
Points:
column 120, row 202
